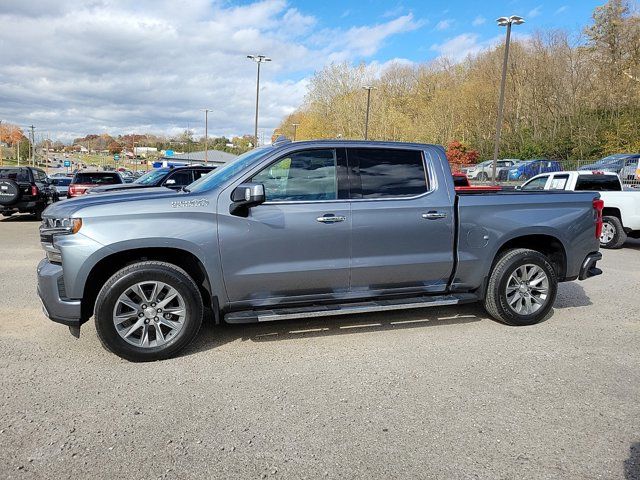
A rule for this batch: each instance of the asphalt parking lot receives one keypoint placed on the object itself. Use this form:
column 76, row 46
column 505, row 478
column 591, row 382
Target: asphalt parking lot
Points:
column 435, row 393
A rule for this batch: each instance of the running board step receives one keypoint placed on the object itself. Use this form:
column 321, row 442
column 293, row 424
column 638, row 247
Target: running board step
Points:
column 253, row 316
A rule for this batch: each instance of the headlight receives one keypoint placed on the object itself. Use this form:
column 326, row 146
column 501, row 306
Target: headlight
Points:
column 56, row 226
column 60, row 226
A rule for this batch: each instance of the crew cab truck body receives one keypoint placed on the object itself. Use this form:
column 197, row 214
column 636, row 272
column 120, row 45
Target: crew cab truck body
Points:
column 621, row 213
column 303, row 229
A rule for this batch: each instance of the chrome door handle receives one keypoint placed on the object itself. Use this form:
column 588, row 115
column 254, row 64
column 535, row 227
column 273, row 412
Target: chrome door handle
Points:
column 434, row 215
column 331, row 219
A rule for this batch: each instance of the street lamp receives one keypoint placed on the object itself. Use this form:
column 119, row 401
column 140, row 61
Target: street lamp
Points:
column 258, row 59
column 503, row 22
column 295, row 130
column 368, row 88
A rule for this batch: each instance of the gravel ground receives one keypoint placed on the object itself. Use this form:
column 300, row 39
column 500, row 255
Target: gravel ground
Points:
column 436, row 393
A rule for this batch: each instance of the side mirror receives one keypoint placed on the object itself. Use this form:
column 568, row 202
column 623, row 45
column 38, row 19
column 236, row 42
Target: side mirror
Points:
column 246, row 196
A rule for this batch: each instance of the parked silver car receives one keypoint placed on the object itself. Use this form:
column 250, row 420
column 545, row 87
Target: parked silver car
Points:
column 484, row 170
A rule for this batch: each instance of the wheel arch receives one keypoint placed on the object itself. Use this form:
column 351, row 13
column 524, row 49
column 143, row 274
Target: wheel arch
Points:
column 110, row 264
column 549, row 245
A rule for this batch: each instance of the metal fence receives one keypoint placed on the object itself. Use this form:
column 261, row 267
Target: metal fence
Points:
column 519, row 172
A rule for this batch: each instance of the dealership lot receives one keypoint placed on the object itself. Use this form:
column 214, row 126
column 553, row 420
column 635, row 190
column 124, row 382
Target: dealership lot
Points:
column 441, row 392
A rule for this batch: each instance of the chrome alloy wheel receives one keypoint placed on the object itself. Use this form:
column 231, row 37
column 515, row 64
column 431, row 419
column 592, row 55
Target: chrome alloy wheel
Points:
column 608, row 232
column 149, row 314
column 527, row 289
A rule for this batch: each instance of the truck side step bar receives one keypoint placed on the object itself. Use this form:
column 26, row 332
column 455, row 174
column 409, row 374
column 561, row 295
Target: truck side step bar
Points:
column 269, row 315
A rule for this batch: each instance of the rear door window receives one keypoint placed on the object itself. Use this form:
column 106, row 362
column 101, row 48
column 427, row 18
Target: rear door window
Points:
column 388, row 173
column 599, row 183
column 559, row 182
column 16, row 174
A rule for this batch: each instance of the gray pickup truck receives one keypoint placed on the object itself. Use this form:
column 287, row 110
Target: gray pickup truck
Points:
column 307, row 229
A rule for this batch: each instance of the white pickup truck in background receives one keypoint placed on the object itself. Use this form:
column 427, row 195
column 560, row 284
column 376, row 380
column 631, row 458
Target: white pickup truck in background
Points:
column 621, row 214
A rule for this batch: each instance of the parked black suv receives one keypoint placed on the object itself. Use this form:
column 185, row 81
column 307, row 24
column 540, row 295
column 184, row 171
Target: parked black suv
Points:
column 23, row 190
column 170, row 177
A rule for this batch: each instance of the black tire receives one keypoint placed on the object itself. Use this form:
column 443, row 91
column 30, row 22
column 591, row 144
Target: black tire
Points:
column 38, row 212
column 9, row 192
column 483, row 177
column 140, row 272
column 495, row 302
column 619, row 235
column 524, row 177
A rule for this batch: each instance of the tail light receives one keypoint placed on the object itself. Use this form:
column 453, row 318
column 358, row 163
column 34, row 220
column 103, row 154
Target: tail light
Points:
column 598, row 205
column 73, row 191
column 34, row 191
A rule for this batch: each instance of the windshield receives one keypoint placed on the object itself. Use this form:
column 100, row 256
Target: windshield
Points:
column 224, row 173
column 152, row 177
column 61, row 182
column 15, row 174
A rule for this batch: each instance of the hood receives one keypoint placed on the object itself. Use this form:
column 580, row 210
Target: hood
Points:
column 67, row 208
column 118, row 187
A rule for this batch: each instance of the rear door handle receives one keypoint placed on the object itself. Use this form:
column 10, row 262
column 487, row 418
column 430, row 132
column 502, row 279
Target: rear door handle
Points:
column 434, row 215
column 331, row 218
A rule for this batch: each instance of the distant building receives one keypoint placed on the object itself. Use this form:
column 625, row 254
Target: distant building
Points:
column 216, row 157
column 144, row 151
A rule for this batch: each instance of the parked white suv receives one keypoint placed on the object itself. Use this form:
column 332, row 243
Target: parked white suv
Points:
column 621, row 213
column 484, row 170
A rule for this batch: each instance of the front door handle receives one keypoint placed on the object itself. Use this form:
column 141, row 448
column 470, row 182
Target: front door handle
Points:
column 331, row 218
column 434, row 215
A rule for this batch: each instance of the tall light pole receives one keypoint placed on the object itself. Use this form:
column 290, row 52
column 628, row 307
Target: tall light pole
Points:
column 258, row 59
column 295, row 130
column 503, row 22
column 368, row 88
column 206, row 135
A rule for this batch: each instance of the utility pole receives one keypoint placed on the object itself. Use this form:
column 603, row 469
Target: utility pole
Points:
column 1, row 150
column 503, row 22
column 32, row 146
column 368, row 88
column 295, row 130
column 258, row 59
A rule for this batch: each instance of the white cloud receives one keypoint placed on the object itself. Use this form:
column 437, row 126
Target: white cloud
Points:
column 536, row 12
column 75, row 67
column 443, row 24
column 479, row 20
column 562, row 9
column 460, row 47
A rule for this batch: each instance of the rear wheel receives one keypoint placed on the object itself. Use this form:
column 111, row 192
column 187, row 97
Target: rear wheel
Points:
column 522, row 287
column 148, row 311
column 483, row 177
column 613, row 234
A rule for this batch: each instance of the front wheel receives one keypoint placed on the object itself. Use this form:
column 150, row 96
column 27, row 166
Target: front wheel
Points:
column 148, row 311
column 613, row 234
column 522, row 287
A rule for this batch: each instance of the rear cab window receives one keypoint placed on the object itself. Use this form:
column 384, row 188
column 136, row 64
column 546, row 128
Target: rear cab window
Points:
column 97, row 178
column 559, row 182
column 598, row 183
column 388, row 173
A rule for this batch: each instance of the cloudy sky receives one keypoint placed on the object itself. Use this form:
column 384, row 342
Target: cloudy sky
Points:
column 93, row 66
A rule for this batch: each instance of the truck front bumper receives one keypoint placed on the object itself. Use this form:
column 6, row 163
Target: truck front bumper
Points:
column 51, row 292
column 589, row 268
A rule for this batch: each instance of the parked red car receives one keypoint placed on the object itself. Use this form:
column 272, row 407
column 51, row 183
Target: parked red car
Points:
column 83, row 181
